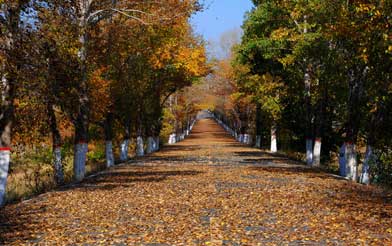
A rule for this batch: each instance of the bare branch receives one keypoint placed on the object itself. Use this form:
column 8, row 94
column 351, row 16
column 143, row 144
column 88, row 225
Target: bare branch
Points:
column 130, row 16
column 124, row 12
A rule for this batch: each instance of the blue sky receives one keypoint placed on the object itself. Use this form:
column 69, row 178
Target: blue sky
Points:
column 220, row 16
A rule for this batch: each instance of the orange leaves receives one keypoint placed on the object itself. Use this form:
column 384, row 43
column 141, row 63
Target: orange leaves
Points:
column 100, row 94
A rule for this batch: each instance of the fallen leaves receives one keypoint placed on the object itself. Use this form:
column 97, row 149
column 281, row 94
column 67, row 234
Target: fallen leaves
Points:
column 225, row 195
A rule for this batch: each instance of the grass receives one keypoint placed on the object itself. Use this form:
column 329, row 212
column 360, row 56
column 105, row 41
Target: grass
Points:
column 31, row 171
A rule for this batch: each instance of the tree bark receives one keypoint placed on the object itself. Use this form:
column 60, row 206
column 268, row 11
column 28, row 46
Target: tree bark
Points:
column 274, row 144
column 319, row 129
column 357, row 76
column 258, row 126
column 308, row 130
column 139, row 146
column 56, row 143
column 316, row 152
column 6, row 120
column 81, row 122
column 125, row 144
column 108, row 128
column 369, row 159
column 157, row 143
column 8, row 87
column 351, row 159
column 150, row 145
column 308, row 117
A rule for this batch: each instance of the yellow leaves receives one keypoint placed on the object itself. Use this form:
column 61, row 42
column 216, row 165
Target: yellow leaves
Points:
column 193, row 60
column 280, row 33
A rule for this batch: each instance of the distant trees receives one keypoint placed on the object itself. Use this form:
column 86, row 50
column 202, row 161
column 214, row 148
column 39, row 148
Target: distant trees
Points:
column 320, row 71
column 111, row 64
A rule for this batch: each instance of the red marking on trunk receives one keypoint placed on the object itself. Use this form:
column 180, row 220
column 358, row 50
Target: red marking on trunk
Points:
column 5, row 149
column 318, row 140
column 82, row 142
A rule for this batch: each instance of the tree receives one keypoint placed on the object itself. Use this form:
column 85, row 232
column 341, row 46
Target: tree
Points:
column 12, row 35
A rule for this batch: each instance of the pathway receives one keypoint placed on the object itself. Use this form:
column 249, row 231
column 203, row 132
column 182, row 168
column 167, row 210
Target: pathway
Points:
column 206, row 190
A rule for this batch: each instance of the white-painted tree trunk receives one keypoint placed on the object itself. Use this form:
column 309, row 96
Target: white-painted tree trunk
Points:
column 58, row 166
column 139, row 146
column 124, row 150
column 157, row 142
column 81, row 150
column 369, row 159
column 4, row 167
column 150, row 145
column 172, row 138
column 247, row 139
column 274, row 144
column 309, row 151
column 352, row 164
column 342, row 160
column 258, row 141
column 241, row 138
column 317, row 152
column 348, row 161
column 109, row 154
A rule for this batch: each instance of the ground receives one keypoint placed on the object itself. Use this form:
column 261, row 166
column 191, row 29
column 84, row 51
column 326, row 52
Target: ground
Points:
column 206, row 190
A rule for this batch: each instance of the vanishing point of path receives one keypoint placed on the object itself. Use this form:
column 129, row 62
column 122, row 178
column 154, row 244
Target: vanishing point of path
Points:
column 206, row 190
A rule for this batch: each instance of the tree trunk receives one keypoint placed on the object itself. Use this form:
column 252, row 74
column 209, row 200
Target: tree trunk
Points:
column 258, row 126
column 124, row 150
column 308, row 117
column 150, row 145
column 351, row 162
column 172, row 138
column 369, row 160
column 6, row 119
column 319, row 129
column 348, row 164
column 82, row 120
column 247, row 139
column 125, row 144
column 108, row 123
column 308, row 130
column 108, row 128
column 375, row 128
column 317, row 152
column 309, row 151
column 139, row 146
column 81, row 142
column 342, row 161
column 274, row 144
column 9, row 32
column 357, row 76
column 56, row 143
column 157, row 143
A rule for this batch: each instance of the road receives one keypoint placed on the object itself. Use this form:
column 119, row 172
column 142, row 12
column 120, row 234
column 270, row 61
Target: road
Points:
column 205, row 190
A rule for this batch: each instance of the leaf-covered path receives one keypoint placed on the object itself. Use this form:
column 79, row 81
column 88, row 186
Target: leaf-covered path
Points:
column 206, row 190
